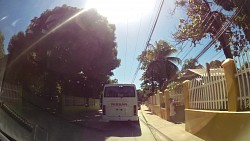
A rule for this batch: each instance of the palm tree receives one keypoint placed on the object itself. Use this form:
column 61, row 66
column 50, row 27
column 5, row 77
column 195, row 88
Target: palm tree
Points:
column 158, row 64
column 191, row 64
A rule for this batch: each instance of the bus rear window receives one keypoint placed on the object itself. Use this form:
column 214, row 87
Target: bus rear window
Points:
column 119, row 91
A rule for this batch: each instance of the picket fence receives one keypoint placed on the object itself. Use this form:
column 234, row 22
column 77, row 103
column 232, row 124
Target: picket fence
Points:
column 243, row 77
column 177, row 95
column 208, row 91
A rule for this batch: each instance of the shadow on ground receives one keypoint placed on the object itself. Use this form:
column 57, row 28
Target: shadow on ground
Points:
column 83, row 125
column 92, row 120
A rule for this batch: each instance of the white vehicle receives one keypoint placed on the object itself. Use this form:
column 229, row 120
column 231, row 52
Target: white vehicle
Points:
column 119, row 102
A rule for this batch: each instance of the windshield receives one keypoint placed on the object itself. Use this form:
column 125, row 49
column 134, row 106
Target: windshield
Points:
column 119, row 91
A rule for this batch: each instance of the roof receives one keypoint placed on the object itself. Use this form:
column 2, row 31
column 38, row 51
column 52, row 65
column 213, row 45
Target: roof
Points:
column 213, row 72
column 116, row 84
column 193, row 73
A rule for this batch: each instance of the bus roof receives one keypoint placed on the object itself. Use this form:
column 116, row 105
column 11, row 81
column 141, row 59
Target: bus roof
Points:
column 110, row 85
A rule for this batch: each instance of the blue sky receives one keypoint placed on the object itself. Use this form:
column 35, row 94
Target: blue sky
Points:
column 133, row 20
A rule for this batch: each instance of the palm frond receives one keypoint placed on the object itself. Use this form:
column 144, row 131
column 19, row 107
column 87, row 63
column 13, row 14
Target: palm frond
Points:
column 174, row 59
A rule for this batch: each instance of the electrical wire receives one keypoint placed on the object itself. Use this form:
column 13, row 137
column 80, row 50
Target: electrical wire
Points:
column 216, row 55
column 221, row 31
column 220, row 56
column 126, row 51
column 149, row 38
column 188, row 53
column 136, row 43
column 209, row 13
column 182, row 49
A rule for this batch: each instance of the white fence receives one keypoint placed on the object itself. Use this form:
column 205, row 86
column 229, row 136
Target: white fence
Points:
column 10, row 93
column 177, row 95
column 243, row 76
column 208, row 92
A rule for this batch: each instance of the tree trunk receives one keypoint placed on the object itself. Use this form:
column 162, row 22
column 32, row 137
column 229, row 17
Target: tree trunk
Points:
column 226, row 47
column 223, row 39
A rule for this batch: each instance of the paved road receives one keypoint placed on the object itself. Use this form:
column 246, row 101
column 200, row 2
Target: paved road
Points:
column 88, row 127
column 10, row 126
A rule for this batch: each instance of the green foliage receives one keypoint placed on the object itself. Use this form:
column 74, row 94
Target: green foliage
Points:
column 203, row 21
column 172, row 85
column 191, row 64
column 112, row 81
column 215, row 64
column 157, row 64
column 241, row 24
column 63, row 53
column 1, row 45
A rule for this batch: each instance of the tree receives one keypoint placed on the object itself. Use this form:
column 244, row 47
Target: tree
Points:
column 112, row 81
column 158, row 65
column 1, row 45
column 65, row 48
column 191, row 64
column 215, row 64
column 140, row 95
column 203, row 21
column 243, row 18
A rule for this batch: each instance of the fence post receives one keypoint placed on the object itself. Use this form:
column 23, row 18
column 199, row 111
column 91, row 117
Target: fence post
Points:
column 161, row 100
column 167, row 104
column 154, row 99
column 150, row 102
column 231, row 83
column 186, row 84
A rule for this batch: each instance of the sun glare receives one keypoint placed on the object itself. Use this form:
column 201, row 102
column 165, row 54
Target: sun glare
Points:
column 121, row 10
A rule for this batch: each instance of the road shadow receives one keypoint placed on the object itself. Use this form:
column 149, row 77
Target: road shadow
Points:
column 123, row 129
column 93, row 120
column 85, row 125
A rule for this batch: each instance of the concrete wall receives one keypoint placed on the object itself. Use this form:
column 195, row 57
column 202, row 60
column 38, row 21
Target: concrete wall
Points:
column 218, row 125
column 163, row 113
column 180, row 113
column 156, row 110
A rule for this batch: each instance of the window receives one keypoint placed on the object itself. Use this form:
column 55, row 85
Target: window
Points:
column 119, row 91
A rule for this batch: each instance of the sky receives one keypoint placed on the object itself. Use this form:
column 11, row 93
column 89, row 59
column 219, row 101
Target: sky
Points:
column 133, row 19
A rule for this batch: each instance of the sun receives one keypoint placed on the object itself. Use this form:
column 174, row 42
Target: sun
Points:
column 121, row 10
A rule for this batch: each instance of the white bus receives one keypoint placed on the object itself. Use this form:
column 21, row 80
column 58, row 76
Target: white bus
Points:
column 119, row 102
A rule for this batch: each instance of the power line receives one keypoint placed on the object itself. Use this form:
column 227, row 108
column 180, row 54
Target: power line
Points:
column 221, row 31
column 187, row 53
column 126, row 50
column 206, row 16
column 216, row 55
column 136, row 43
column 149, row 38
column 182, row 48
column 151, row 19
column 220, row 56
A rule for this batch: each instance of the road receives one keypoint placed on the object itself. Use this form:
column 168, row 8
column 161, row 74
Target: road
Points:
column 88, row 127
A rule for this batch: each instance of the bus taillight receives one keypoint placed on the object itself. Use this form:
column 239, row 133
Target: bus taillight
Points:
column 103, row 109
column 135, row 110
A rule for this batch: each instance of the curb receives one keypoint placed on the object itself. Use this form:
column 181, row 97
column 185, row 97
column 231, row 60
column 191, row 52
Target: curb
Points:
column 151, row 126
